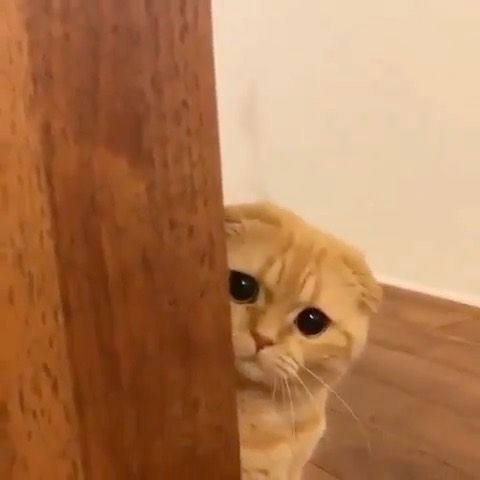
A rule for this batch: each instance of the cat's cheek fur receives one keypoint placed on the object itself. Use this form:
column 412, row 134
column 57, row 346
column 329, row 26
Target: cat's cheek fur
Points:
column 243, row 345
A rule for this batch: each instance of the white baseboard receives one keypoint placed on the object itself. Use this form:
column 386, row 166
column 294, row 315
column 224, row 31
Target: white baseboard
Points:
column 467, row 299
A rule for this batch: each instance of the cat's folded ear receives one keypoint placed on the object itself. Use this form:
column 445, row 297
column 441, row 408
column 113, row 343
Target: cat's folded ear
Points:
column 371, row 291
column 233, row 220
column 238, row 218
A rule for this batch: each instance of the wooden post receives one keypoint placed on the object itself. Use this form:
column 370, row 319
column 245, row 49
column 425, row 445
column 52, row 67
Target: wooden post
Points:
column 115, row 342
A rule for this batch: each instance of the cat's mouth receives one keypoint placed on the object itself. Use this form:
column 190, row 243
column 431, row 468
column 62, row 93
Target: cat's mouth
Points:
column 267, row 365
column 264, row 365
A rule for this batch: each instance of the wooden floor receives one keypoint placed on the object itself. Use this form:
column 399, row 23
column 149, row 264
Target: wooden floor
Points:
column 416, row 394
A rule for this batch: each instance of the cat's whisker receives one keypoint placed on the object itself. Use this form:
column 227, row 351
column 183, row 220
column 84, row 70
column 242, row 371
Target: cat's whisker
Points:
column 360, row 425
column 289, row 362
column 307, row 390
column 459, row 340
column 274, row 389
column 292, row 408
column 288, row 366
column 282, row 388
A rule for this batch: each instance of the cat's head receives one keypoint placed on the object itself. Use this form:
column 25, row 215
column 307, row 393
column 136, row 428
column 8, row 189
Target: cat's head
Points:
column 300, row 299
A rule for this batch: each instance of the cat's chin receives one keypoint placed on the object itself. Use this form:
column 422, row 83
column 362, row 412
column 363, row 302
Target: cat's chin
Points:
column 251, row 370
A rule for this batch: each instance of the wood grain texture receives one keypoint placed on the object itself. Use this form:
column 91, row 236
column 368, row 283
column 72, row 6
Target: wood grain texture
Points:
column 119, row 357
column 34, row 376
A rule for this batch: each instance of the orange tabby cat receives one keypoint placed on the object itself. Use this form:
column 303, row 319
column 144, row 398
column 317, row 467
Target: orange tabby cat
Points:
column 301, row 300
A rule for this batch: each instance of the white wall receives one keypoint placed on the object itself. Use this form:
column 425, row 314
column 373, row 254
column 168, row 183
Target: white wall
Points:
column 364, row 116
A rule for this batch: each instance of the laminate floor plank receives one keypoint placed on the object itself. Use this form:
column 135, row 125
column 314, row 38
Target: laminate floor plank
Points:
column 416, row 393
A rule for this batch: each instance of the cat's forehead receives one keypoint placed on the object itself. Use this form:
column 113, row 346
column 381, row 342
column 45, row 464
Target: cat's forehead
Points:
column 257, row 246
column 281, row 257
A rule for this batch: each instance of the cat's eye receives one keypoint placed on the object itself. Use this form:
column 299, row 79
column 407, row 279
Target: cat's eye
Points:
column 243, row 287
column 311, row 321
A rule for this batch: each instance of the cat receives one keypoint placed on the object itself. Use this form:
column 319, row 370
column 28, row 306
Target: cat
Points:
column 300, row 304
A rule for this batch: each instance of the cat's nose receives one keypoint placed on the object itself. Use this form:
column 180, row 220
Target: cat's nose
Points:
column 261, row 341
